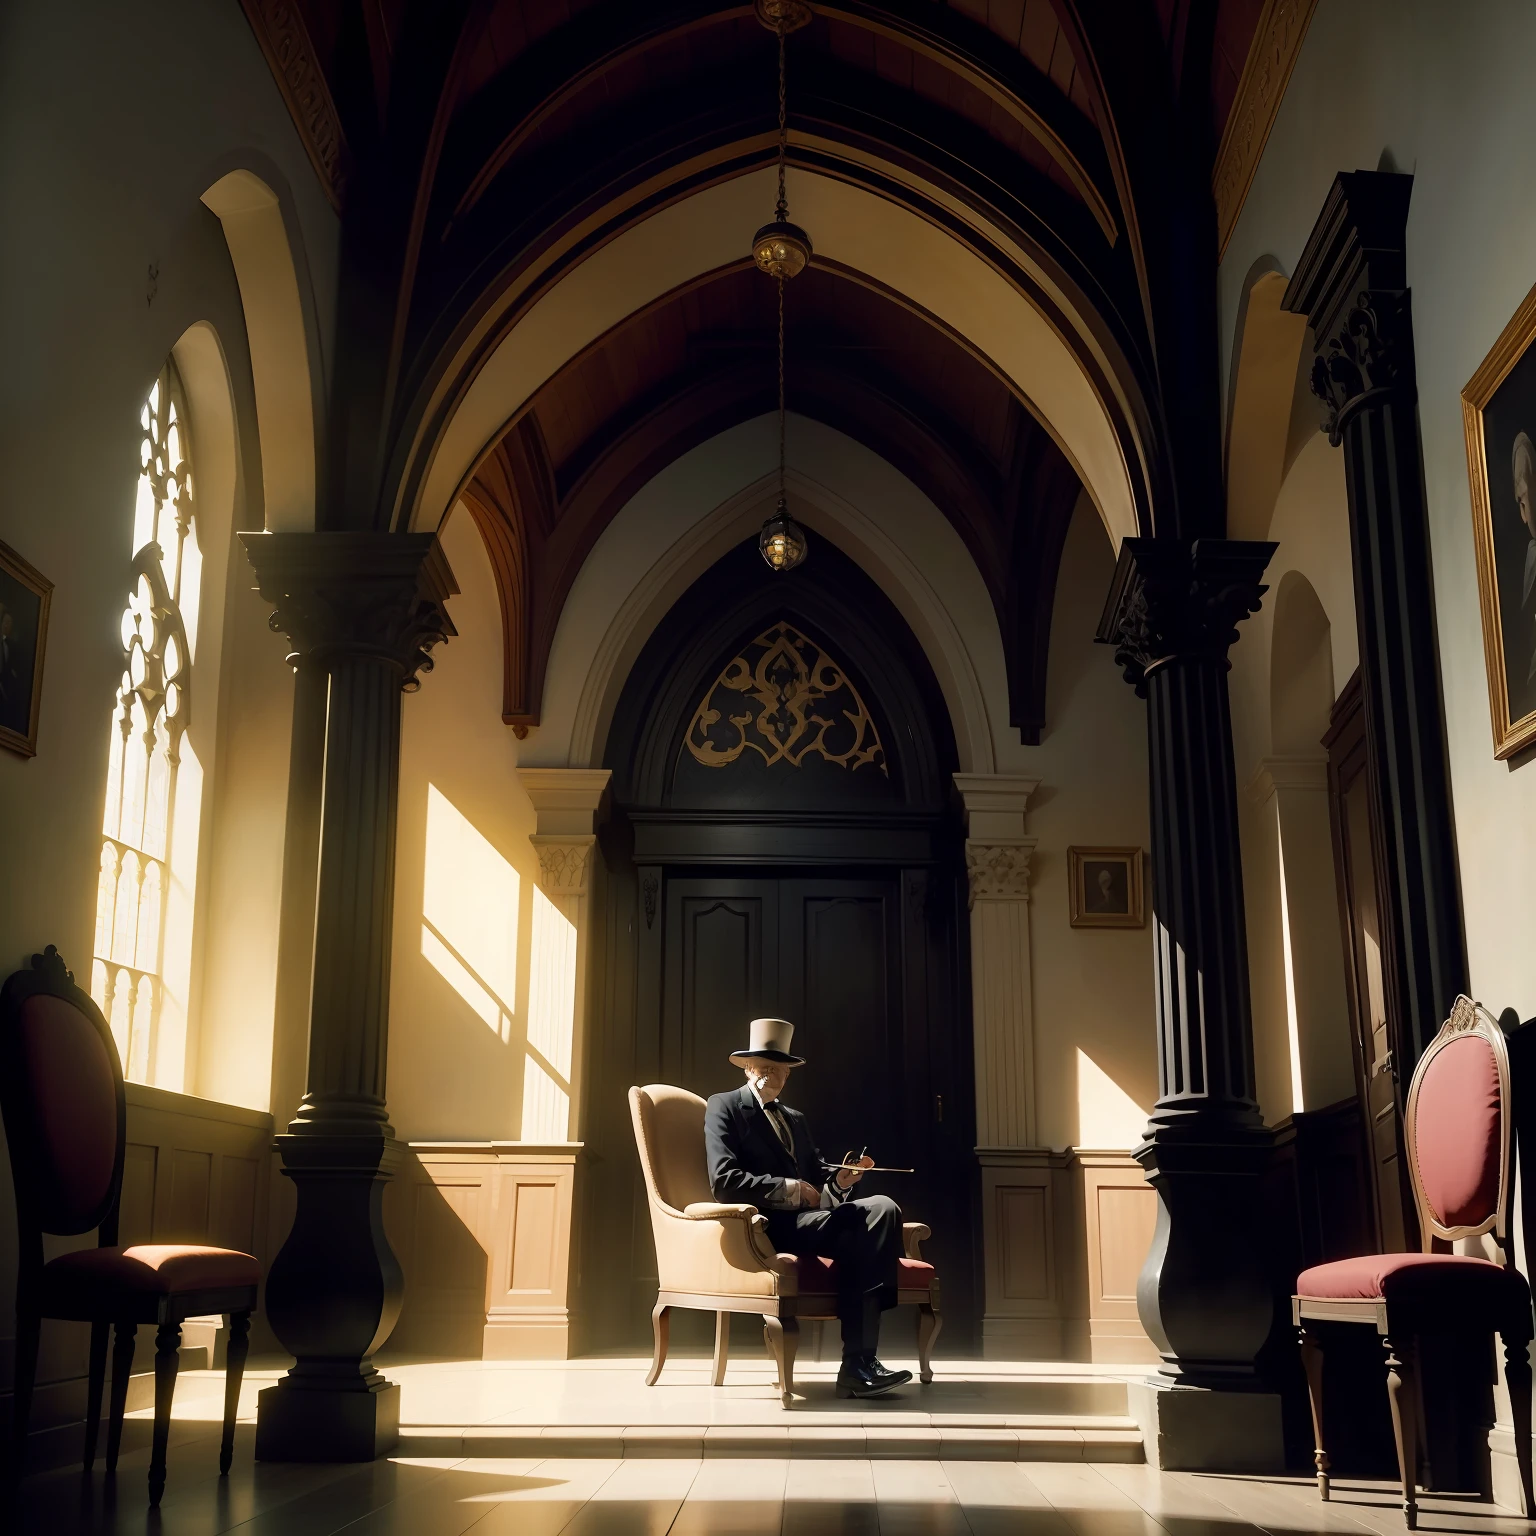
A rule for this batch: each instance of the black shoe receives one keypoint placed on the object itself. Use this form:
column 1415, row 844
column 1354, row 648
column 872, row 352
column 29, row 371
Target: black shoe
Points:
column 866, row 1377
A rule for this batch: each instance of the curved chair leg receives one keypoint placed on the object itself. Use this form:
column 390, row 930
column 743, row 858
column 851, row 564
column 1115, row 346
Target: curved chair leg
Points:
column 722, row 1346
column 1312, row 1364
column 167, row 1358
column 929, row 1322
column 1517, row 1373
column 661, row 1327
column 100, row 1332
column 122, row 1369
column 1403, row 1390
column 782, row 1335
column 234, row 1371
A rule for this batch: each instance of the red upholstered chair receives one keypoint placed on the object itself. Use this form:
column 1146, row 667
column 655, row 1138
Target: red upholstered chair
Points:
column 1458, row 1134
column 61, row 1092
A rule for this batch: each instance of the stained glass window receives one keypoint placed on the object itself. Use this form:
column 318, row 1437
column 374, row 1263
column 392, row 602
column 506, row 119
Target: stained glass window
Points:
column 140, row 864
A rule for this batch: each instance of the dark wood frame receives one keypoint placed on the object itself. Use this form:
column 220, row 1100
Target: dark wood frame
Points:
column 1400, row 1328
column 39, row 585
column 49, row 977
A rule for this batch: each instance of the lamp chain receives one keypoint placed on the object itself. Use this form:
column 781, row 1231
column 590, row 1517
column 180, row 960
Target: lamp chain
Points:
column 782, row 214
column 781, row 386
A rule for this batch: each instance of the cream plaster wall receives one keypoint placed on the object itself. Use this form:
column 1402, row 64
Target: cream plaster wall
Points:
column 1441, row 91
column 1095, row 1030
column 458, row 1012
column 113, row 122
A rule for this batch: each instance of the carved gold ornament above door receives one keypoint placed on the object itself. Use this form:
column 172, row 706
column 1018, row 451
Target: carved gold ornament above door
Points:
column 784, row 698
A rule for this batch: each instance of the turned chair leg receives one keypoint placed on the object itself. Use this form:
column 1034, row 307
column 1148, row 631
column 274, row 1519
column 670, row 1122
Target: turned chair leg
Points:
column 722, row 1347
column 167, row 1358
column 928, row 1324
column 100, row 1330
column 1402, row 1389
column 1517, row 1375
column 782, row 1335
column 234, row 1371
column 661, row 1327
column 29, row 1327
column 122, row 1368
column 1312, row 1364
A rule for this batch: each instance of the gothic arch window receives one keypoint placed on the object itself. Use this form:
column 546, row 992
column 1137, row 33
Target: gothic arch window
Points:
column 142, row 954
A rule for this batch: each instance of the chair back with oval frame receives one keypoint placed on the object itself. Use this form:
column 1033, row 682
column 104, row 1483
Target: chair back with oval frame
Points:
column 1457, row 1128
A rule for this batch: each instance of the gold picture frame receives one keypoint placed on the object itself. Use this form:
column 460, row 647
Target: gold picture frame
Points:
column 1105, row 888
column 25, row 596
column 1498, row 413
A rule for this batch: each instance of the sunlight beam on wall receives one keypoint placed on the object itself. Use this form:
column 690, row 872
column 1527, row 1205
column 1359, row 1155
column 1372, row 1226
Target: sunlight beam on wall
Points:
column 1107, row 1116
column 469, row 910
column 551, row 1024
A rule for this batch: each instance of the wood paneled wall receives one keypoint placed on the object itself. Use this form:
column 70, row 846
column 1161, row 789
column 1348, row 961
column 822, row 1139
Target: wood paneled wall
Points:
column 483, row 1231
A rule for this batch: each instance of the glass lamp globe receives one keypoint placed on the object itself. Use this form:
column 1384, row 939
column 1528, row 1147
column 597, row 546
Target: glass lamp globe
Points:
column 782, row 543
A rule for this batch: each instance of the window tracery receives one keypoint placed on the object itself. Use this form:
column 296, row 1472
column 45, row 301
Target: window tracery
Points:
column 140, row 864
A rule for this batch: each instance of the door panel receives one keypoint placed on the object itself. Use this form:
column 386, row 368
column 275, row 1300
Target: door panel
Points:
column 718, row 933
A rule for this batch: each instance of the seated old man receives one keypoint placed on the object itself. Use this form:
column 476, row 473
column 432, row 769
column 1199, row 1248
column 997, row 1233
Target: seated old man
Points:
column 761, row 1153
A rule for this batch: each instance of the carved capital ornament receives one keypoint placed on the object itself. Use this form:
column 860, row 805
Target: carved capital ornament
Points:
column 564, row 863
column 360, row 595
column 998, row 871
column 1369, row 357
column 1177, row 600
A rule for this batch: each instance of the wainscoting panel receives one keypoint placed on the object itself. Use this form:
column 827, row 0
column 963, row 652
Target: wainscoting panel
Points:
column 1120, row 1210
column 483, row 1232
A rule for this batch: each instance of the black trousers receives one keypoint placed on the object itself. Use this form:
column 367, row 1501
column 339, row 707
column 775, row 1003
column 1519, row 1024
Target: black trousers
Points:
column 863, row 1237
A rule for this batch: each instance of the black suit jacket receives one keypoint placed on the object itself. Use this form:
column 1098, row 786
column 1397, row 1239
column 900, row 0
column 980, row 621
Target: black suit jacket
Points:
column 748, row 1164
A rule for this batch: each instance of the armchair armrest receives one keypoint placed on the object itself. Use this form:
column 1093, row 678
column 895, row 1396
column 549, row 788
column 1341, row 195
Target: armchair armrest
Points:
column 913, row 1236
column 709, row 1210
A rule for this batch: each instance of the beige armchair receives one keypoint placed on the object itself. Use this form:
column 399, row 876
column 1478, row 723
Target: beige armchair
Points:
column 717, row 1258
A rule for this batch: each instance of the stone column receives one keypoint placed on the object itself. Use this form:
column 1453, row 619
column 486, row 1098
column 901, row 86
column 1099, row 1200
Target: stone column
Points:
column 1352, row 285
column 1022, row 1317
column 363, row 608
column 1203, row 1295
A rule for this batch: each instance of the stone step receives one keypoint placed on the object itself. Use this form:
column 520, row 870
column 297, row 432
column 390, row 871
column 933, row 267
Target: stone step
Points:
column 1049, row 1438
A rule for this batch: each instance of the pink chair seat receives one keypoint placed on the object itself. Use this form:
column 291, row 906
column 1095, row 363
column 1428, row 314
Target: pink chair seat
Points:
column 92, row 1282
column 1415, row 1279
column 818, row 1277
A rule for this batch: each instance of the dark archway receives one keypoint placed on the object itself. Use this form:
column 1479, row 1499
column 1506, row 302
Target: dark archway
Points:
column 784, row 839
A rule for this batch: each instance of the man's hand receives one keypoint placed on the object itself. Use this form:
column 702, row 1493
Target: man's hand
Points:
column 810, row 1196
column 850, row 1173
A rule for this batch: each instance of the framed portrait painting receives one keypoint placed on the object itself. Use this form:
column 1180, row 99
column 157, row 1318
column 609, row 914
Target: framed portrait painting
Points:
column 1498, row 409
column 1106, row 888
column 24, row 597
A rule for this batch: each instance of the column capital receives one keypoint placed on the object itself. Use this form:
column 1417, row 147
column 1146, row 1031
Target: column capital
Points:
column 998, row 870
column 565, row 862
column 1287, row 771
column 565, row 800
column 1174, row 600
column 369, row 594
column 1351, row 283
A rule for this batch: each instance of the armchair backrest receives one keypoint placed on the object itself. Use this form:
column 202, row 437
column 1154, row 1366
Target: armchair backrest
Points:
column 61, row 1093
column 1457, row 1127
column 669, row 1136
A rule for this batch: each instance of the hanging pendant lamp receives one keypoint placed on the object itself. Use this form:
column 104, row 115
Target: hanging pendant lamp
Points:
column 782, row 250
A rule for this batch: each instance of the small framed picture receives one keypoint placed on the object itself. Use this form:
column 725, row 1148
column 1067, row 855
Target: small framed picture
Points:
column 24, row 597
column 1498, row 412
column 1106, row 889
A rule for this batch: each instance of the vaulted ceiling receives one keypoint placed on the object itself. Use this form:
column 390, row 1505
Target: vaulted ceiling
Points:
column 462, row 141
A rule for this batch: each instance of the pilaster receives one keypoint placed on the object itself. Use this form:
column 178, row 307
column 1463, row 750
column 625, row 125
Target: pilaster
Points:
column 1351, row 283
column 1021, row 1192
column 362, row 610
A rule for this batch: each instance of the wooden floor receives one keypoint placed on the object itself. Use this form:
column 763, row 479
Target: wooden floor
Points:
column 605, row 1455
column 651, row 1496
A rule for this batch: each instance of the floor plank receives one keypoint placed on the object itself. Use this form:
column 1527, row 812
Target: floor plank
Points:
column 735, row 1497
column 642, row 1498
column 915, row 1498
column 830, row 1498
column 999, row 1500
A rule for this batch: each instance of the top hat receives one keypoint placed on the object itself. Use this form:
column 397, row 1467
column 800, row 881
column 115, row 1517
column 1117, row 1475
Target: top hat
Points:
column 769, row 1040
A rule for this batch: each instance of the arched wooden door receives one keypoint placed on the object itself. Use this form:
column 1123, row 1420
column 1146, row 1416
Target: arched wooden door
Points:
column 785, row 842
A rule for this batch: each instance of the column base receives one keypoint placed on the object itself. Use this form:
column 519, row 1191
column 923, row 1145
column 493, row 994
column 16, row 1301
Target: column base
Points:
column 1200, row 1429
column 302, row 1424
